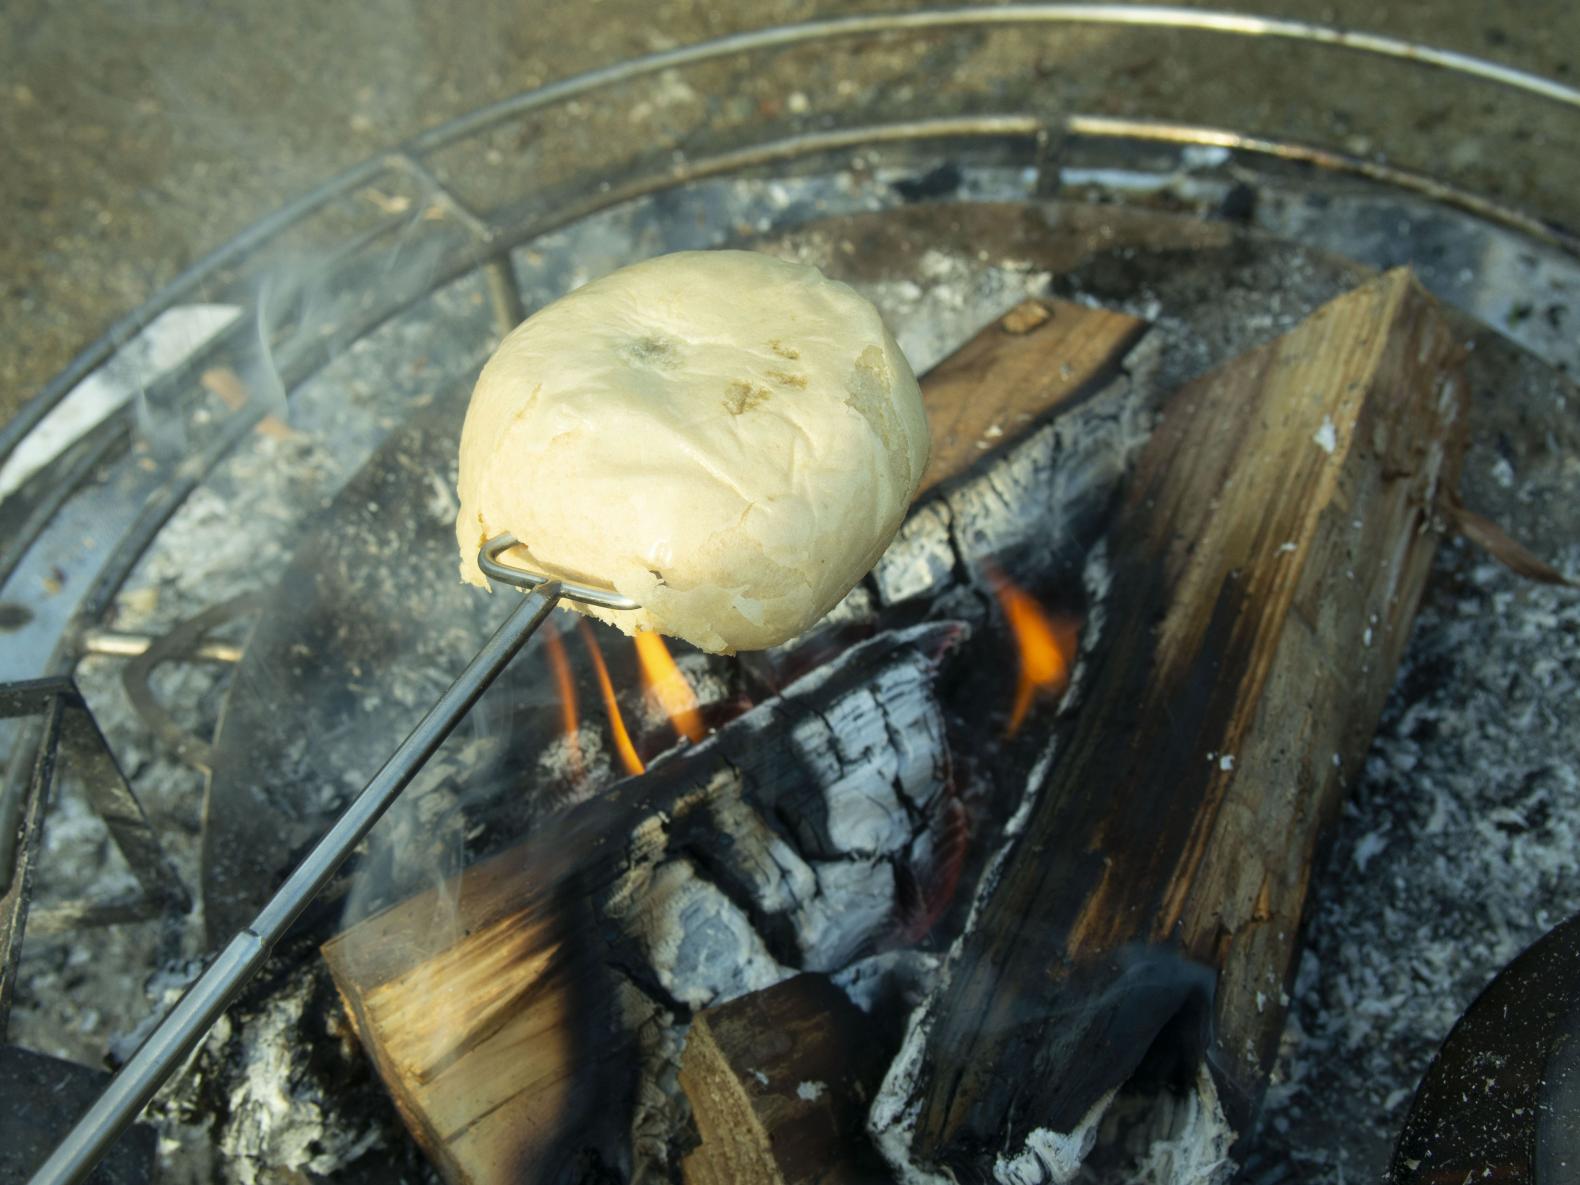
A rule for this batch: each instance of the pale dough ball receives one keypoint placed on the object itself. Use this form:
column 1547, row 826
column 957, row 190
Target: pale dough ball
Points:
column 729, row 439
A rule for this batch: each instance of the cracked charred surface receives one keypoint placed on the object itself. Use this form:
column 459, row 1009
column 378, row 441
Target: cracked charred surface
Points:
column 1268, row 559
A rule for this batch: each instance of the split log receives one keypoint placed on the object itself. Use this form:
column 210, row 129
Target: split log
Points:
column 779, row 1083
column 1266, row 566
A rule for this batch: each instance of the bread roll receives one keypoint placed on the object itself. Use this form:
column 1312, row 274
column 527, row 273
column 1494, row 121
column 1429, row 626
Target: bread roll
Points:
column 728, row 439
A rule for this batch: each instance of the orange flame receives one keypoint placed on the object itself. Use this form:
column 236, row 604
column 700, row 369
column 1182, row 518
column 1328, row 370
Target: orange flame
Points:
column 565, row 686
column 622, row 738
column 1046, row 644
column 668, row 686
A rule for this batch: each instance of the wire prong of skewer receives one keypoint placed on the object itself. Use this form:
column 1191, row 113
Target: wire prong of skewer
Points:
column 488, row 559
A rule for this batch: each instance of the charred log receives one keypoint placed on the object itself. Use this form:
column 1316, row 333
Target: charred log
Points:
column 1266, row 567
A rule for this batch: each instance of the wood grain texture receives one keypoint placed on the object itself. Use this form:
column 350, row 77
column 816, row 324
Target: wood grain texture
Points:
column 1265, row 569
column 779, row 1082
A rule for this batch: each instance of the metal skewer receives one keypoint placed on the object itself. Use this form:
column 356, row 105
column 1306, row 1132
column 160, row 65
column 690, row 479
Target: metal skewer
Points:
column 168, row 1046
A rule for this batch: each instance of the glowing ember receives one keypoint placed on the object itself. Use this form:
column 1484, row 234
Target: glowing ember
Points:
column 565, row 688
column 668, row 687
column 1046, row 644
column 622, row 738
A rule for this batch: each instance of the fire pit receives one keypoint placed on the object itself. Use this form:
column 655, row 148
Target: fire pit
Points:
column 629, row 865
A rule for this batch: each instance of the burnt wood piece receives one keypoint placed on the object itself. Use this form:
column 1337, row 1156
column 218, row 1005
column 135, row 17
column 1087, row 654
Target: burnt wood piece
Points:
column 1035, row 421
column 520, row 1014
column 779, row 1082
column 1268, row 560
column 1040, row 355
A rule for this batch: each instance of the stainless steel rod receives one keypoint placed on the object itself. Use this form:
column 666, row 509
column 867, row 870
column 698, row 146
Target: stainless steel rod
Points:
column 178, row 1034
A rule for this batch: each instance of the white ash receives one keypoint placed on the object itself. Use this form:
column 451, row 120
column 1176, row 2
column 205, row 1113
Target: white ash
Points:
column 279, row 1072
column 868, row 748
column 951, row 292
column 698, row 942
column 1265, row 294
column 866, row 819
column 1521, row 287
column 1167, row 1138
column 276, row 1124
column 77, row 838
column 855, row 900
column 810, row 1092
column 921, row 557
column 835, row 906
column 1326, row 437
column 882, row 740
column 661, row 1108
column 1050, row 1157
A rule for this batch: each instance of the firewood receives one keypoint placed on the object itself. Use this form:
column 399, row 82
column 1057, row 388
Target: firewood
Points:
column 1039, row 355
column 1036, row 420
column 524, row 1039
column 779, row 1082
column 1265, row 568
column 513, row 1045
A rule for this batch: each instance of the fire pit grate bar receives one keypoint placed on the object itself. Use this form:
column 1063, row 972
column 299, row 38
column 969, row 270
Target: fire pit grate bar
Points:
column 178, row 1034
column 69, row 727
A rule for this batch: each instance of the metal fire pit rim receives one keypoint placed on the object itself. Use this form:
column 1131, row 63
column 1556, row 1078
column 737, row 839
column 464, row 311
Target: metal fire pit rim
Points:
column 494, row 249
column 407, row 156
